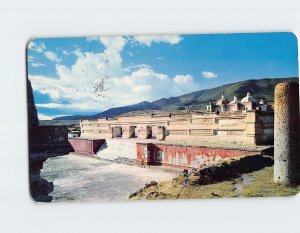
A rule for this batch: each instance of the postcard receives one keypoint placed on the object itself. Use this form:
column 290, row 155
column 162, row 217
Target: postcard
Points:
column 152, row 117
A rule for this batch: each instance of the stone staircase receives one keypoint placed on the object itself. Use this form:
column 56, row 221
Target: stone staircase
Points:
column 113, row 149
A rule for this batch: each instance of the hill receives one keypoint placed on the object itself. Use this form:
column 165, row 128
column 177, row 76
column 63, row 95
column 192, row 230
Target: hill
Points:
column 145, row 105
column 260, row 88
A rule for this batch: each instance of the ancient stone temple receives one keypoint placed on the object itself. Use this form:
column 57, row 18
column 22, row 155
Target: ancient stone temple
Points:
column 247, row 122
column 246, row 103
column 181, row 139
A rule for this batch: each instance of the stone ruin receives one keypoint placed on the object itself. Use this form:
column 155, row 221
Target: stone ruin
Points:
column 47, row 141
column 247, row 127
column 246, row 103
column 44, row 142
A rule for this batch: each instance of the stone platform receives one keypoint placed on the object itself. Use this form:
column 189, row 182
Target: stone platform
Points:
column 86, row 145
column 179, row 155
column 169, row 154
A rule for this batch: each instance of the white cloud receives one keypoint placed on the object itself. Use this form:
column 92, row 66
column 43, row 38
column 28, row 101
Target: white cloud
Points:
column 209, row 74
column 143, row 39
column 38, row 47
column 91, row 38
column 149, row 39
column 49, row 105
column 76, row 88
column 146, row 84
column 46, row 85
column 37, row 64
column 79, row 87
column 44, row 117
column 183, row 79
column 115, row 43
column 41, row 48
column 33, row 63
column 141, row 88
column 72, row 106
column 65, row 52
column 51, row 56
column 77, row 52
column 30, row 59
column 76, row 85
column 135, row 67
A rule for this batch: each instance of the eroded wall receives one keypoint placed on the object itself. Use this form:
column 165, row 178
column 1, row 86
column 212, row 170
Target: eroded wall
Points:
column 265, row 129
column 185, row 156
column 43, row 142
column 49, row 139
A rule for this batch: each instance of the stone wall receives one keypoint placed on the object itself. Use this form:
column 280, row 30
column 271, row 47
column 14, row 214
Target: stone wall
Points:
column 49, row 139
column 43, row 142
column 86, row 146
column 265, row 129
column 186, row 156
column 31, row 109
column 240, row 127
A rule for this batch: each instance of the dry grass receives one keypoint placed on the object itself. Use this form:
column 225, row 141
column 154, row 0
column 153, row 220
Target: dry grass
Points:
column 258, row 184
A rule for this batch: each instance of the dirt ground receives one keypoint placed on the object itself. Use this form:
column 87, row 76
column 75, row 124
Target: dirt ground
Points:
column 80, row 178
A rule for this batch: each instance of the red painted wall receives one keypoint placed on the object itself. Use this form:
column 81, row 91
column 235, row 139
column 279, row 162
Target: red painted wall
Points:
column 86, row 146
column 184, row 156
column 140, row 147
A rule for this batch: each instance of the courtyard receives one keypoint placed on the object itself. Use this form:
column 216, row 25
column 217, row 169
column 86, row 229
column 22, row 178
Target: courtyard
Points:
column 82, row 178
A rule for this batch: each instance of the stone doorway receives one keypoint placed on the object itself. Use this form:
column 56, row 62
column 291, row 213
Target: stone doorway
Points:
column 150, row 132
column 132, row 132
column 117, row 132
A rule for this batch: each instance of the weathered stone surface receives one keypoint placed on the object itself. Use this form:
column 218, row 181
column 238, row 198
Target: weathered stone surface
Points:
column 49, row 139
column 156, row 194
column 32, row 113
column 186, row 156
column 152, row 183
column 44, row 142
column 249, row 127
column 40, row 186
column 286, row 140
column 86, row 145
column 185, row 172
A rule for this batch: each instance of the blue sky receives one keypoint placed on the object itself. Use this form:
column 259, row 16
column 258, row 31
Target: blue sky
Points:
column 90, row 74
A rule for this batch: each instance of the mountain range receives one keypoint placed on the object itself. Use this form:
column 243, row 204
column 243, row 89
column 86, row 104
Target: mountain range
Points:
column 260, row 88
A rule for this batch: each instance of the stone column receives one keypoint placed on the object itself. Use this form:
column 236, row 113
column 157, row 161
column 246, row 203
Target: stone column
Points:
column 286, row 130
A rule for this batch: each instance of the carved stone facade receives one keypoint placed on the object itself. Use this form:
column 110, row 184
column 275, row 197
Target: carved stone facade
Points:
column 239, row 127
column 247, row 103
